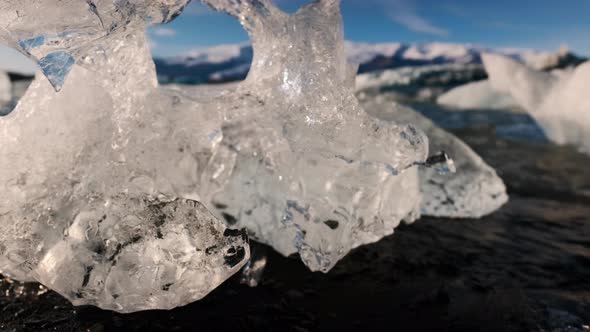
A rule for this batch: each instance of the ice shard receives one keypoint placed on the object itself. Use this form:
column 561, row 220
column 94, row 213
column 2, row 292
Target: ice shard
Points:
column 558, row 102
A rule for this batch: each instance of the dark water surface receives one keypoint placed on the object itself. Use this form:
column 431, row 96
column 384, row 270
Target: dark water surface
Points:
column 524, row 268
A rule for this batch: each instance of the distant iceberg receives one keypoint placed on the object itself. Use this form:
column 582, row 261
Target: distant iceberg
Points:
column 477, row 95
column 423, row 76
column 558, row 101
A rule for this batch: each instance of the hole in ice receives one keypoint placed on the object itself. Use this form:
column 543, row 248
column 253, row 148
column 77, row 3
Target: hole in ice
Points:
column 16, row 74
column 201, row 62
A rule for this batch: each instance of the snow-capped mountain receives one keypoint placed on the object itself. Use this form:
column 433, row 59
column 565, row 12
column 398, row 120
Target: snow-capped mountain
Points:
column 205, row 65
column 231, row 62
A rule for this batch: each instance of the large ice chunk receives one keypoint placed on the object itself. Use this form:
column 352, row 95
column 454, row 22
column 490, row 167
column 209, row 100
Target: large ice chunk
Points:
column 474, row 191
column 289, row 154
column 97, row 183
column 558, row 102
column 477, row 95
column 315, row 174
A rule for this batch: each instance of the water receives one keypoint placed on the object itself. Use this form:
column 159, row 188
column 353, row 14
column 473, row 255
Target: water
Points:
column 509, row 124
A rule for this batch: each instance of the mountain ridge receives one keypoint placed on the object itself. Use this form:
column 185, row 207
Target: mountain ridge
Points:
column 230, row 62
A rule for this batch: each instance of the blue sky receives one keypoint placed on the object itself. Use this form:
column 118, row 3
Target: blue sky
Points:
column 538, row 24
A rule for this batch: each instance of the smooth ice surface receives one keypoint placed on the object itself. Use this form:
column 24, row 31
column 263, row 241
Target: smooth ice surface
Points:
column 558, row 102
column 477, row 95
column 473, row 191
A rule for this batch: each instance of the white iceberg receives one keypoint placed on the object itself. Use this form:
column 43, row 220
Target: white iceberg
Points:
column 558, row 102
column 477, row 95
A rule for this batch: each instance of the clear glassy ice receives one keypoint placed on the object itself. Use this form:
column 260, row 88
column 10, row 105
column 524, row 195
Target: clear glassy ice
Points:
column 315, row 174
column 95, row 204
column 110, row 181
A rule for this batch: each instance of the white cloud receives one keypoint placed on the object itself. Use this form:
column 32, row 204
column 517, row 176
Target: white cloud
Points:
column 164, row 32
column 418, row 24
column 405, row 13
